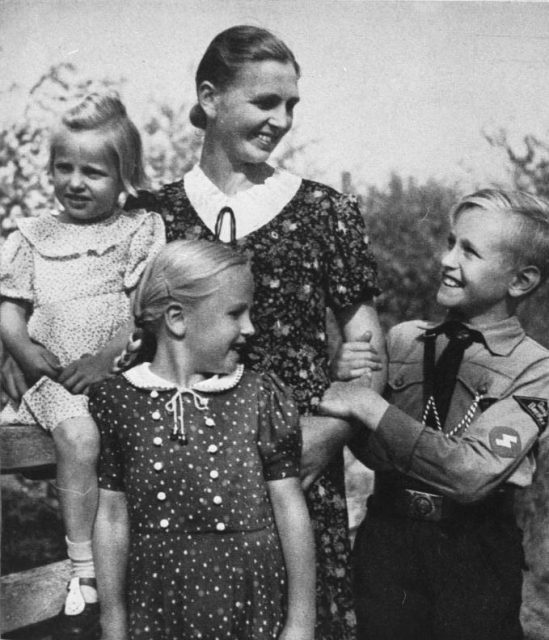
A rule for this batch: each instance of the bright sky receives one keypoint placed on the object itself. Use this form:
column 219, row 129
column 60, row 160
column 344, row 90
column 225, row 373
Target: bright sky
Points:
column 405, row 86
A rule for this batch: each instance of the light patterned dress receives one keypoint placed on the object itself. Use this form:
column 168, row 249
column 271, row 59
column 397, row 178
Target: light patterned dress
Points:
column 77, row 280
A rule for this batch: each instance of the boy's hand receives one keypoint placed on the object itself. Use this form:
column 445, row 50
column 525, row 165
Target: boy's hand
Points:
column 37, row 361
column 13, row 380
column 78, row 376
column 343, row 399
column 354, row 359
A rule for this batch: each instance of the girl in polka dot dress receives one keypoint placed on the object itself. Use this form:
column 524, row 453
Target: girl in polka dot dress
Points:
column 202, row 525
column 65, row 282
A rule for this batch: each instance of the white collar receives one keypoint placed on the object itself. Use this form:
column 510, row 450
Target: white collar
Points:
column 142, row 377
column 253, row 207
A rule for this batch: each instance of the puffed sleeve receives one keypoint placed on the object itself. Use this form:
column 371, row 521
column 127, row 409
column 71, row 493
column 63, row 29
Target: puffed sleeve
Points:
column 110, row 465
column 17, row 268
column 350, row 267
column 279, row 436
column 146, row 242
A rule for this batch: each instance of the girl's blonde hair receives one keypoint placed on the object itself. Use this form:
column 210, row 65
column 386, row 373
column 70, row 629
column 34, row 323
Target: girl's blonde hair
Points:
column 105, row 113
column 183, row 271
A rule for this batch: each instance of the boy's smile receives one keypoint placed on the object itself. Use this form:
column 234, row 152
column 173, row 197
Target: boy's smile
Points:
column 478, row 268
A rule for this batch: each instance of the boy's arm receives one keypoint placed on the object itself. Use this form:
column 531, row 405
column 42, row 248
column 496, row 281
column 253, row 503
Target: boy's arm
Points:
column 465, row 467
column 296, row 538
column 111, row 544
column 34, row 360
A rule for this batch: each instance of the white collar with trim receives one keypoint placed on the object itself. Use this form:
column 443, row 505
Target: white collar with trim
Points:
column 253, row 208
column 142, row 377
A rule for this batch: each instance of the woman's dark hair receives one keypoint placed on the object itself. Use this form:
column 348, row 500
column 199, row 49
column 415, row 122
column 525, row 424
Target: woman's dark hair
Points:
column 228, row 51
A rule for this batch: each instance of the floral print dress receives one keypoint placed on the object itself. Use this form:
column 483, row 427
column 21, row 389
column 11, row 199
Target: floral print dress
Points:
column 312, row 255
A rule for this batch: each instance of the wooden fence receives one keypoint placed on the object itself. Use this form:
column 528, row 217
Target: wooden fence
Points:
column 32, row 597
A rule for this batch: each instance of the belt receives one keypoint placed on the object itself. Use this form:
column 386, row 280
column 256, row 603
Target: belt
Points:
column 406, row 502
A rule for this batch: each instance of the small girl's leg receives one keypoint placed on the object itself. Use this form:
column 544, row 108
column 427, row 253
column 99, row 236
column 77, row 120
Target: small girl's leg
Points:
column 77, row 446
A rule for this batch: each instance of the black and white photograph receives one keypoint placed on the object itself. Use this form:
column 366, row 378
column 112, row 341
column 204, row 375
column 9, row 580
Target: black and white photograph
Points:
column 274, row 335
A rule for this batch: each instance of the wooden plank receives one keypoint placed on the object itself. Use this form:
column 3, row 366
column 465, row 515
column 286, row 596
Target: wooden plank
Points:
column 23, row 446
column 32, row 596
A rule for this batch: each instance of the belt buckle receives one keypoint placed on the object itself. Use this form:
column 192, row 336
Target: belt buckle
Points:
column 424, row 506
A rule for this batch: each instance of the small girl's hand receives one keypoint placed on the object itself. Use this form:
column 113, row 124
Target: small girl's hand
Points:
column 353, row 359
column 78, row 376
column 38, row 361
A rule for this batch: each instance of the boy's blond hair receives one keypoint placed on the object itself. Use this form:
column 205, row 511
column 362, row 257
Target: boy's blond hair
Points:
column 530, row 244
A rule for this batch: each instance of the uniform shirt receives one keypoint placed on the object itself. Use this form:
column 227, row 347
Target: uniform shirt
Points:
column 509, row 375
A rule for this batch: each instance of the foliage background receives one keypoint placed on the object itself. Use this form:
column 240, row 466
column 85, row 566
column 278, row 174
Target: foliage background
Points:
column 407, row 225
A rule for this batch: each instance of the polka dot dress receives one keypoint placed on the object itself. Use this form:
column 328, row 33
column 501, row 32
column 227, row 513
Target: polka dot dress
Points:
column 205, row 560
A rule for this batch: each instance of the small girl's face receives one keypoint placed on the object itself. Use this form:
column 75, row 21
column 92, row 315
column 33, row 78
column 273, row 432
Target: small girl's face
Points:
column 85, row 176
column 219, row 325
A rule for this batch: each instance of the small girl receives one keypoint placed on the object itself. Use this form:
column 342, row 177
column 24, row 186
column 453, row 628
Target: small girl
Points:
column 200, row 502
column 65, row 285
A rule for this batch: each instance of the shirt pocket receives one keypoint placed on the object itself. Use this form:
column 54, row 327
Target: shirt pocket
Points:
column 405, row 387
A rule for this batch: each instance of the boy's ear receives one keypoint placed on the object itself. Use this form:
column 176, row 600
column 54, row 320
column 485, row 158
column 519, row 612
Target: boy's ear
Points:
column 175, row 318
column 525, row 280
column 207, row 98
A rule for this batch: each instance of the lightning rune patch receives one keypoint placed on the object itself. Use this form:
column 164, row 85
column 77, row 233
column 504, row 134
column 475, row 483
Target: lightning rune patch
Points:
column 505, row 442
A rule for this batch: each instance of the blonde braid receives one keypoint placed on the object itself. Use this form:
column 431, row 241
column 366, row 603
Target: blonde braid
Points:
column 130, row 352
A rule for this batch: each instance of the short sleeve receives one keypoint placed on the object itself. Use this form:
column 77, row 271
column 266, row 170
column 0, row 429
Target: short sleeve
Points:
column 111, row 465
column 145, row 243
column 17, row 268
column 279, row 437
column 351, row 270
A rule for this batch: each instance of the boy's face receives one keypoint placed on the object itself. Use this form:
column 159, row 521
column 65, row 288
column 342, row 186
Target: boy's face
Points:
column 477, row 268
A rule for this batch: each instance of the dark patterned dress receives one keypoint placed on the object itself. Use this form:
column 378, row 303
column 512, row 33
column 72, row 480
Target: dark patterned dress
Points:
column 311, row 256
column 205, row 559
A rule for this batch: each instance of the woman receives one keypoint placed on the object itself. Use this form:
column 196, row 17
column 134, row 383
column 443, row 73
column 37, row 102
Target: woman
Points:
column 306, row 244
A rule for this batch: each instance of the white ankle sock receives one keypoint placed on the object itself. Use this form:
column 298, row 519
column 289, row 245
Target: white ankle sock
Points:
column 81, row 558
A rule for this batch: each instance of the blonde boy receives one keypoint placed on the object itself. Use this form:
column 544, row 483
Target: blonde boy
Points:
column 439, row 554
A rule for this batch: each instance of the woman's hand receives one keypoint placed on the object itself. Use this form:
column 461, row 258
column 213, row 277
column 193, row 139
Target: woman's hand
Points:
column 354, row 359
column 78, row 376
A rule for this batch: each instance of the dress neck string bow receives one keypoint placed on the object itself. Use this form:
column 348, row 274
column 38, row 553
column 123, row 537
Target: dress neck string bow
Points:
column 176, row 406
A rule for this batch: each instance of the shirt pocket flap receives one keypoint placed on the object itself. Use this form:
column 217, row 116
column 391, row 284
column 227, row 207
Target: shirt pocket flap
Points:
column 402, row 376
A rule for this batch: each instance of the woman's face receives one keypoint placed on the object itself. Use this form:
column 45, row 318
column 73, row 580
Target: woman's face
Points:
column 249, row 117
